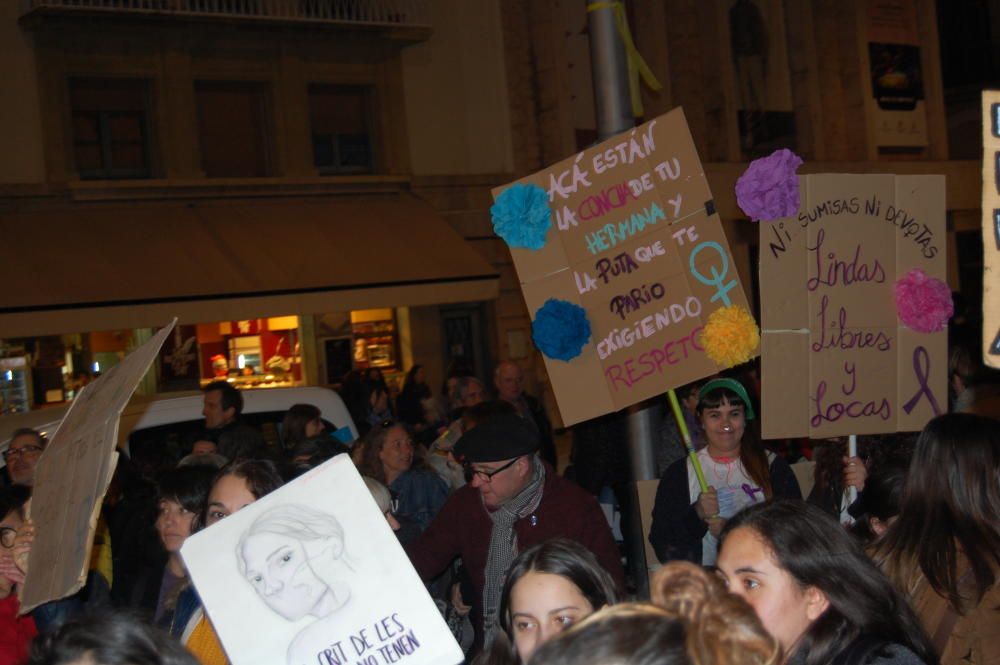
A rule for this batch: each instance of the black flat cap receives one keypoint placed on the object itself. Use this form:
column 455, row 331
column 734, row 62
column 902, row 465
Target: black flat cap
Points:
column 500, row 437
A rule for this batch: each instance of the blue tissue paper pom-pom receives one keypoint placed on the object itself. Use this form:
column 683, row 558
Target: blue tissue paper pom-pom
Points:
column 560, row 329
column 521, row 216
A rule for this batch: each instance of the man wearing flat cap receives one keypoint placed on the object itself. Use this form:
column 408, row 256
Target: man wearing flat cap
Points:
column 513, row 500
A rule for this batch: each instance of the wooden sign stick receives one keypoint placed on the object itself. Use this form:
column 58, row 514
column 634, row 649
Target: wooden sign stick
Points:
column 852, row 451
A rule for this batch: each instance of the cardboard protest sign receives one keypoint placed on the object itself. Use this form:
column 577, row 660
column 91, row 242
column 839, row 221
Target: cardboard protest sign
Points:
column 991, row 228
column 311, row 574
column 635, row 242
column 72, row 476
column 835, row 358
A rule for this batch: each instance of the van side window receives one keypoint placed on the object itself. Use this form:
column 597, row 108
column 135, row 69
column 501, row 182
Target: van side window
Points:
column 164, row 443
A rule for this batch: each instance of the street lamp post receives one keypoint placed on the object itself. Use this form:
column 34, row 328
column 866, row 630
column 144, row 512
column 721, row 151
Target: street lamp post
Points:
column 609, row 64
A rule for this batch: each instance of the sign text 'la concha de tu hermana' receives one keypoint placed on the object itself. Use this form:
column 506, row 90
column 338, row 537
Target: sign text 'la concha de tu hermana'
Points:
column 635, row 244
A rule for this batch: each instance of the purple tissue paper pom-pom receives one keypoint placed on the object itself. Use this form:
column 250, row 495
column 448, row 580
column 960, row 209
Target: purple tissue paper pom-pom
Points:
column 769, row 188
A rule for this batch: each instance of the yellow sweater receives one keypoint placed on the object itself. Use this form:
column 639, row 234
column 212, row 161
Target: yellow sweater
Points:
column 100, row 554
column 204, row 644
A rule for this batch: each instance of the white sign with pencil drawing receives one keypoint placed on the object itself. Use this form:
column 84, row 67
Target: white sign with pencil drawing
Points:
column 313, row 575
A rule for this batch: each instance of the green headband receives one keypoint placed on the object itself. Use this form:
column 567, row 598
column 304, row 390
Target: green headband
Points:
column 733, row 385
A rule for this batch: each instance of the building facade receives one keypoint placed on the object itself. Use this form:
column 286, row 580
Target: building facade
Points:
column 254, row 117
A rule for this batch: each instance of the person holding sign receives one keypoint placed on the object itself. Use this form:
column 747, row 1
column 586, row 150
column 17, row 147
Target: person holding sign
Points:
column 836, row 474
column 235, row 487
column 687, row 519
column 16, row 632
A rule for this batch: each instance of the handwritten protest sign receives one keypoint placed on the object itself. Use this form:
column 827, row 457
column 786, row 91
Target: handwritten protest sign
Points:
column 991, row 228
column 72, row 476
column 313, row 575
column 637, row 244
column 835, row 358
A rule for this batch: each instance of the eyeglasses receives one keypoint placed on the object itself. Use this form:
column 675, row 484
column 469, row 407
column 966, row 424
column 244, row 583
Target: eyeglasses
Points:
column 7, row 536
column 21, row 452
column 485, row 476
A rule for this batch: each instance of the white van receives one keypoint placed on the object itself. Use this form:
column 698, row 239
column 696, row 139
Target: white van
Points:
column 172, row 419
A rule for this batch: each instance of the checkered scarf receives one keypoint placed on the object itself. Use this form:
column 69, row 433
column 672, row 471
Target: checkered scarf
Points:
column 503, row 541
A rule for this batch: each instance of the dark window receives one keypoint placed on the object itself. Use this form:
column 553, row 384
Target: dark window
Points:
column 969, row 39
column 340, row 117
column 110, row 128
column 233, row 127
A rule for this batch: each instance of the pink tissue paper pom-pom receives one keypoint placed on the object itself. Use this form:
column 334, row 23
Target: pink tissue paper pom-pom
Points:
column 923, row 303
column 769, row 188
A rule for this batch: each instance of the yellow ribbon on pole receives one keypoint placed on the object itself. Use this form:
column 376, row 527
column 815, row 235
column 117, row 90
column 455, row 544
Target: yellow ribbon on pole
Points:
column 637, row 66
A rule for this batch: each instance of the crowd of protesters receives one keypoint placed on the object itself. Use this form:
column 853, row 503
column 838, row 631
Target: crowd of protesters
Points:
column 521, row 560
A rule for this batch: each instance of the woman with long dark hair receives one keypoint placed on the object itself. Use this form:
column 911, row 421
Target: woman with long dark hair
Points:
column 548, row 588
column 816, row 591
column 181, row 496
column 943, row 550
column 739, row 471
column 878, row 507
column 107, row 638
column 389, row 457
column 301, row 423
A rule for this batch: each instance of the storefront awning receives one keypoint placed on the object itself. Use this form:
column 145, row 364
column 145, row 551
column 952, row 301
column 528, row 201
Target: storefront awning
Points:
column 128, row 265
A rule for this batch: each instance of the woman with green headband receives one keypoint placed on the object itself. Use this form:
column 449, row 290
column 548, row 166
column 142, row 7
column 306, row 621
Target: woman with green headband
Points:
column 738, row 470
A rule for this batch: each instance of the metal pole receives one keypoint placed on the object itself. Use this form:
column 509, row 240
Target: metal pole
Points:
column 643, row 428
column 609, row 65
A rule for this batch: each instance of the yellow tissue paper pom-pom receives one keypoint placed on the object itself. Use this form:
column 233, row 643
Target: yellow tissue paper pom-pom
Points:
column 730, row 336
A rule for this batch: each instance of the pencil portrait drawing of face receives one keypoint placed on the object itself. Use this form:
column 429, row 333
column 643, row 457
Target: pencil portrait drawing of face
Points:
column 286, row 556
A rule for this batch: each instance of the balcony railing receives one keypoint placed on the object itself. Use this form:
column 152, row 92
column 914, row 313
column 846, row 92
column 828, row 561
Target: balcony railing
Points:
column 359, row 13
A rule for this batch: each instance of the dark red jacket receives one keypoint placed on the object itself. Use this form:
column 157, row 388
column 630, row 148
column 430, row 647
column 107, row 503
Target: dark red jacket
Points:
column 463, row 529
column 16, row 632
